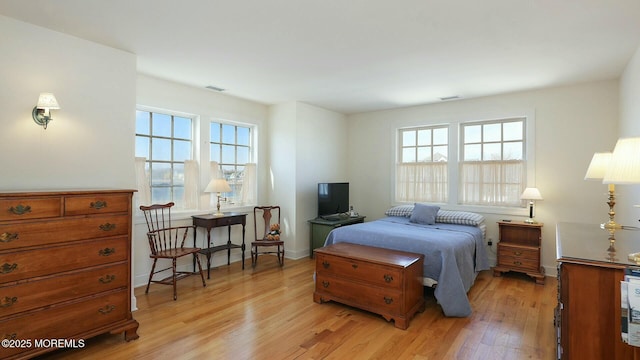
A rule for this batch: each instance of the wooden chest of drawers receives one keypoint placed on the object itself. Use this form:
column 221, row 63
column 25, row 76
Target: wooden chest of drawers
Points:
column 519, row 249
column 385, row 282
column 65, row 267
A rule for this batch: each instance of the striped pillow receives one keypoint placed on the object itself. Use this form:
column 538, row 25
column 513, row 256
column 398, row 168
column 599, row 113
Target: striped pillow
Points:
column 443, row 216
column 400, row 210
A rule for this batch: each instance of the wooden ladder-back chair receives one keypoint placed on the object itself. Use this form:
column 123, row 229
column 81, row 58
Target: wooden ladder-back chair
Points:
column 266, row 220
column 167, row 242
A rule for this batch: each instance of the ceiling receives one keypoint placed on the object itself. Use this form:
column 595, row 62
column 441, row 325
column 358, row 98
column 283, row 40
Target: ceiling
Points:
column 356, row 55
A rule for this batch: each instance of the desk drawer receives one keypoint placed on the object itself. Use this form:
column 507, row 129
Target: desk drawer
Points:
column 32, row 208
column 96, row 204
column 26, row 264
column 375, row 274
column 18, row 235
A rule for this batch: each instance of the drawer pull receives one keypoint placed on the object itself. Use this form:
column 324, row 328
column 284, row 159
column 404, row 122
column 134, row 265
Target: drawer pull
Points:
column 20, row 209
column 355, row 266
column 107, row 251
column 517, row 263
column 7, row 268
column 13, row 336
column 325, row 264
column 388, row 278
column 388, row 300
column 107, row 309
column 98, row 205
column 107, row 227
column 8, row 301
column 107, row 279
column 517, row 253
column 8, row 237
column 325, row 284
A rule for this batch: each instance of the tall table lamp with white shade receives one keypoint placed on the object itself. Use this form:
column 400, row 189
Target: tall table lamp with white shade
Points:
column 624, row 168
column 596, row 171
column 531, row 194
column 219, row 186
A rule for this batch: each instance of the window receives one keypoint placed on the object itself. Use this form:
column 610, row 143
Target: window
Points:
column 421, row 173
column 165, row 140
column 230, row 147
column 493, row 162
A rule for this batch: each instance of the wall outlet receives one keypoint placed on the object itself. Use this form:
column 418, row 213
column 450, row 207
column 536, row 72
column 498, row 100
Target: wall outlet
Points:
column 489, row 241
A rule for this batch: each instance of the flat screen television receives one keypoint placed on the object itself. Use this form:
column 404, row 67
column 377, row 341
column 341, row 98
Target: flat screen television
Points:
column 333, row 199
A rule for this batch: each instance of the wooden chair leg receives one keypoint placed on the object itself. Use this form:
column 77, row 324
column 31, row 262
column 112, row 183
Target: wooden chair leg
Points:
column 153, row 268
column 175, row 280
column 204, row 284
column 254, row 256
column 282, row 261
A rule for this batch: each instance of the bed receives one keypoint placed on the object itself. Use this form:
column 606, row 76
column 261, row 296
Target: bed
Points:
column 452, row 242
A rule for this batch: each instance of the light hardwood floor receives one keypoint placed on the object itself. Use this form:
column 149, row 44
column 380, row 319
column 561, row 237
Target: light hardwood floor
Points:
column 268, row 313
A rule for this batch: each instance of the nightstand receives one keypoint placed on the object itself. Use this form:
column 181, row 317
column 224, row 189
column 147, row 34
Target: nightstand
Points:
column 519, row 249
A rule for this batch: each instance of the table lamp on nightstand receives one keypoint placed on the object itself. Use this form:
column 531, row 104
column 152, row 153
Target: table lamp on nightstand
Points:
column 531, row 194
column 218, row 186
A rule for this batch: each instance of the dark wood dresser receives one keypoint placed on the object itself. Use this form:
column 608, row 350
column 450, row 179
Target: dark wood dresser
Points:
column 383, row 281
column 588, row 315
column 65, row 268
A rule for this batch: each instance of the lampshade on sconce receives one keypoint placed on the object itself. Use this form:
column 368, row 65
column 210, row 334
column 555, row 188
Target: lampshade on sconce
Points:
column 42, row 111
column 531, row 194
column 596, row 171
column 218, row 186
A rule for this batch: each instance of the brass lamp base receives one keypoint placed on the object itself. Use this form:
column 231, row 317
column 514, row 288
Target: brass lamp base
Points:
column 530, row 221
column 218, row 212
column 611, row 225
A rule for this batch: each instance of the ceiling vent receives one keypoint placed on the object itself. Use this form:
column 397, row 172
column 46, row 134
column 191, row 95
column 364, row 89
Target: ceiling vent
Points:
column 215, row 88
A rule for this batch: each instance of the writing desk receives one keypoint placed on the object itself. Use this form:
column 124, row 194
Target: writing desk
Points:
column 210, row 221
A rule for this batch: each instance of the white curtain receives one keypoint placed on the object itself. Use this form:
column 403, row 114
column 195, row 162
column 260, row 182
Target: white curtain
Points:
column 422, row 182
column 493, row 183
column 143, row 196
column 249, row 183
column 215, row 170
column 191, row 175
column 214, row 173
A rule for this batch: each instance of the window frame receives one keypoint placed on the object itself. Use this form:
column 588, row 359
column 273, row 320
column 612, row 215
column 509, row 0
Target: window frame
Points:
column 483, row 143
column 410, row 170
column 250, row 149
column 149, row 161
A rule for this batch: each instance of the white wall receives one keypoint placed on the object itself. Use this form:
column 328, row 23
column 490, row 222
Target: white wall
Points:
column 321, row 157
column 83, row 146
column 571, row 124
column 282, row 170
column 629, row 195
column 307, row 146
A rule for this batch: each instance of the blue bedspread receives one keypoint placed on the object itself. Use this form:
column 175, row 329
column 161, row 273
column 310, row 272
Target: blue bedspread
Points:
column 453, row 253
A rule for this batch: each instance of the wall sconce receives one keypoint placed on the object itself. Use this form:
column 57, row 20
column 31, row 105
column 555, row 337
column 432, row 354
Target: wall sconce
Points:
column 41, row 113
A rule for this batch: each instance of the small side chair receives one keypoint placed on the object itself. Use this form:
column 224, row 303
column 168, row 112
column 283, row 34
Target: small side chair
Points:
column 167, row 242
column 267, row 230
